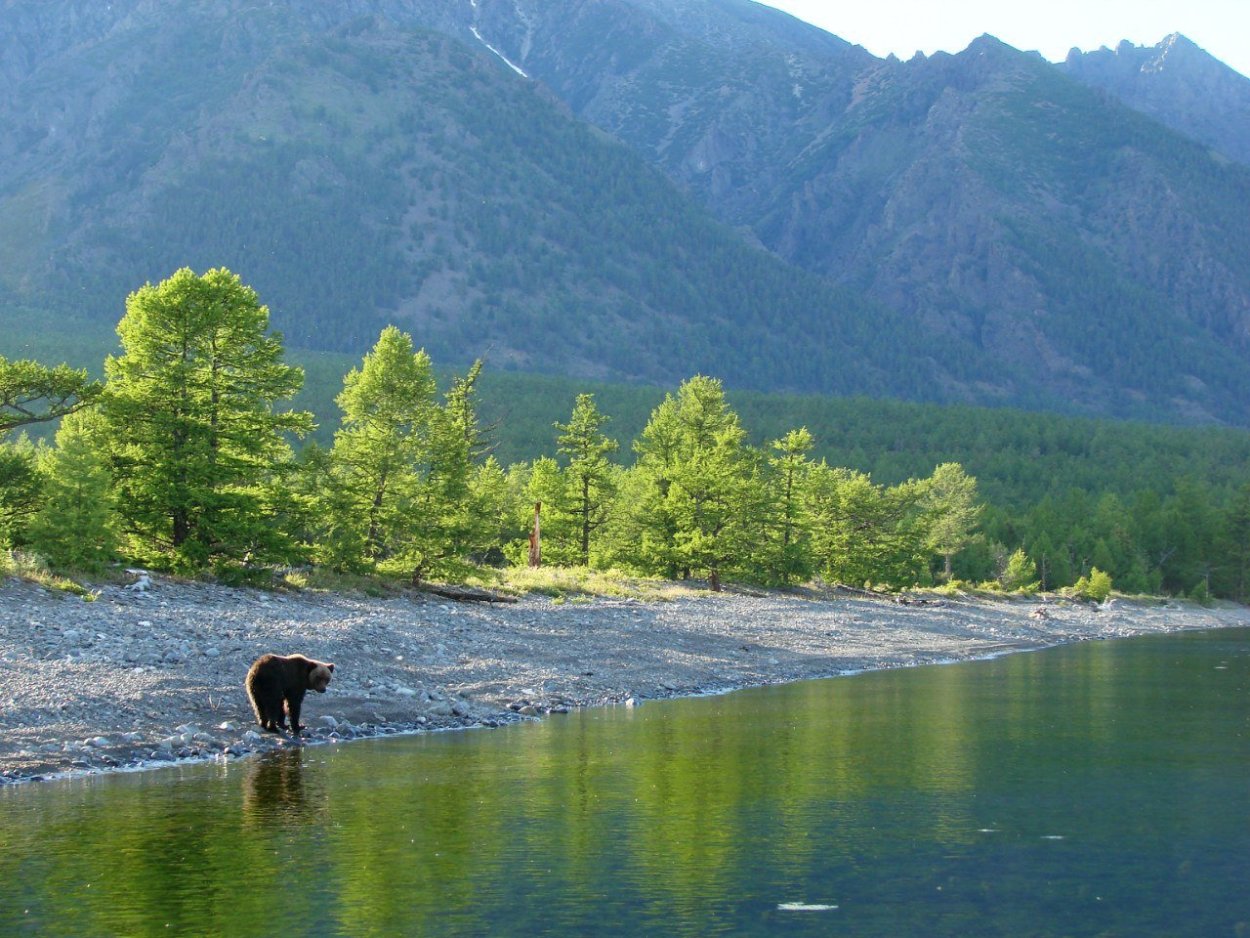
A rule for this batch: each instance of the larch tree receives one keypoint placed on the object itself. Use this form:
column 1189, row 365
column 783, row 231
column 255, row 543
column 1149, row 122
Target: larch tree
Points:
column 589, row 474
column 75, row 527
column 33, row 393
column 1237, row 544
column 953, row 511
column 708, row 480
column 191, row 423
column 457, row 508
column 21, row 488
column 864, row 532
column 382, row 453
column 789, row 533
column 645, row 530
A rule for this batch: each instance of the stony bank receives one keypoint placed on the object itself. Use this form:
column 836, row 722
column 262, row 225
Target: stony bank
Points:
column 147, row 677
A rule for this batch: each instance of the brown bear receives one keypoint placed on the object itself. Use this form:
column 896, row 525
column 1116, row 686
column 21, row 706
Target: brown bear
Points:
column 275, row 680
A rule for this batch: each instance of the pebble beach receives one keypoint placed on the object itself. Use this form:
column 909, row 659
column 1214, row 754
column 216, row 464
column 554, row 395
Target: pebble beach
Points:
column 151, row 673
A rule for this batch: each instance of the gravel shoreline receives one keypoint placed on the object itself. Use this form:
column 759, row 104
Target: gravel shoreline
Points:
column 143, row 678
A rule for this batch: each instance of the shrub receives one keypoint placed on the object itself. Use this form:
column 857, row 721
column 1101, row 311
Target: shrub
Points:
column 1201, row 593
column 1096, row 587
column 1020, row 574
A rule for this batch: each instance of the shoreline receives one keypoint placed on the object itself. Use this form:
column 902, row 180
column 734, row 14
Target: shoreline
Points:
column 142, row 679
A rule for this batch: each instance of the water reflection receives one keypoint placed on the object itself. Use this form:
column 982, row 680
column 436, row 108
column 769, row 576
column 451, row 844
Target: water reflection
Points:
column 1087, row 789
column 274, row 791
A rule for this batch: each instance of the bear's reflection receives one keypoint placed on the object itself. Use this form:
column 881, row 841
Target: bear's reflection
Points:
column 275, row 789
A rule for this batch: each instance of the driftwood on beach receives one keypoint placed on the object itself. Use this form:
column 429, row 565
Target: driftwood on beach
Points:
column 465, row 594
column 842, row 588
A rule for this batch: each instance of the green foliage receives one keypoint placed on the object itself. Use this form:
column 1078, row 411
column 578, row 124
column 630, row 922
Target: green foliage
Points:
column 1236, row 545
column 1020, row 574
column 863, row 532
column 28, row 566
column 695, row 484
column 76, row 528
column 190, row 423
column 589, row 489
column 1096, row 587
column 952, row 511
column 1201, row 593
column 1158, row 508
column 34, row 393
column 545, row 487
column 21, row 489
column 401, row 489
column 382, row 454
column 785, row 548
column 464, row 501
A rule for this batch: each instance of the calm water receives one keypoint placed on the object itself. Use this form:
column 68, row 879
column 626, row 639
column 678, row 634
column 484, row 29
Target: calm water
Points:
column 1102, row 788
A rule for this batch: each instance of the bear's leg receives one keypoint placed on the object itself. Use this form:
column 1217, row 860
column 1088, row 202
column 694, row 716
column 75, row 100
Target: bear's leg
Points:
column 292, row 706
column 273, row 719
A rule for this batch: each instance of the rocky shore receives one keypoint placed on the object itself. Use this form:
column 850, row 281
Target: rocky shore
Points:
column 152, row 673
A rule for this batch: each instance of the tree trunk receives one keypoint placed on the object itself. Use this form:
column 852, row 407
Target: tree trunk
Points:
column 536, row 545
column 585, row 545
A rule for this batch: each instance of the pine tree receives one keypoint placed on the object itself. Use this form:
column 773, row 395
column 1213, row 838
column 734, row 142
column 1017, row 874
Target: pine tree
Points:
column 953, row 511
column 34, row 393
column 382, row 454
column 789, row 533
column 75, row 528
column 21, row 489
column 706, row 498
column 190, row 421
column 589, row 473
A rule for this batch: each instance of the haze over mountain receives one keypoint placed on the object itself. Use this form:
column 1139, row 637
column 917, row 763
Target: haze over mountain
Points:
column 638, row 190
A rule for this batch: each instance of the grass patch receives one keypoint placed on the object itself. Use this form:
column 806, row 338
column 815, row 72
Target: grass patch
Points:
column 31, row 568
column 579, row 584
column 325, row 580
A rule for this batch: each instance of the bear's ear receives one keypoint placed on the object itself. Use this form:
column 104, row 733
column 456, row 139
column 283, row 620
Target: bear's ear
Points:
column 330, row 667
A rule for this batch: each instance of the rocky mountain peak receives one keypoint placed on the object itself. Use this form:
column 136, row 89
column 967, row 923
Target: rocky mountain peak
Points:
column 1178, row 83
column 980, row 226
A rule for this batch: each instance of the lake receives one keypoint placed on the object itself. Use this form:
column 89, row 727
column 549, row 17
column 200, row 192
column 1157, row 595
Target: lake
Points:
column 1098, row 788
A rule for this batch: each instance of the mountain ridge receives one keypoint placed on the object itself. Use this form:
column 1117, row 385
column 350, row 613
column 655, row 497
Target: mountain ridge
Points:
column 979, row 227
column 1177, row 83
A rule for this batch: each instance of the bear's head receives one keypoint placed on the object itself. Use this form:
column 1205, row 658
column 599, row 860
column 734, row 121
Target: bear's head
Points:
column 319, row 675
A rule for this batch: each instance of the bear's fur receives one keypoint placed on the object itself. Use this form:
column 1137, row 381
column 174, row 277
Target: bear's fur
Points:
column 276, row 685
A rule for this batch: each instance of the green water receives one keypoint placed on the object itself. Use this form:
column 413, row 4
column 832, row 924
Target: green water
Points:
column 1098, row 789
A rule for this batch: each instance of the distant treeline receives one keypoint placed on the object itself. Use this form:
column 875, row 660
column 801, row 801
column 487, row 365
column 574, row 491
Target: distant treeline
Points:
column 186, row 461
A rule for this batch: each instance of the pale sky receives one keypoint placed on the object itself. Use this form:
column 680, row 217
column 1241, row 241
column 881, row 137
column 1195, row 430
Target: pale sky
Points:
column 1051, row 27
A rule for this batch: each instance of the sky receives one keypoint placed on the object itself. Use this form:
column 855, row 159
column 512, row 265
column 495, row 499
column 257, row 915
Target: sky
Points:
column 1051, row 27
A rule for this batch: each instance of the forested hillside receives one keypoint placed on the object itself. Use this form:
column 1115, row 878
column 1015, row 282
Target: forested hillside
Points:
column 375, row 173
column 986, row 195
column 977, row 228
column 1157, row 508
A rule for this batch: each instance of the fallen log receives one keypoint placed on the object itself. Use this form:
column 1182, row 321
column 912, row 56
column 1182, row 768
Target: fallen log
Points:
column 465, row 594
column 889, row 597
column 856, row 591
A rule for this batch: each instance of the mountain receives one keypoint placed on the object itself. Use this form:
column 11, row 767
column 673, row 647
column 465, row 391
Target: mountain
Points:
column 630, row 190
column 362, row 170
column 1178, row 84
column 986, row 195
